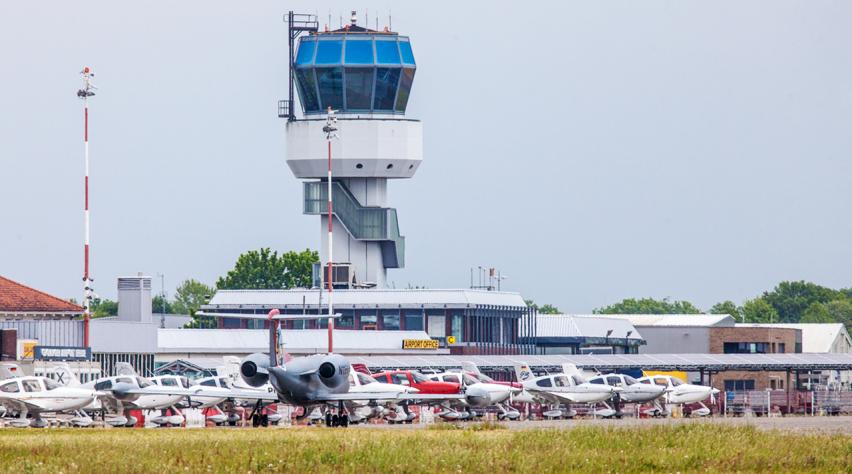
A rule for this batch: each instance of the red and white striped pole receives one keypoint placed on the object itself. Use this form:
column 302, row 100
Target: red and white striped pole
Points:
column 85, row 93
column 330, row 130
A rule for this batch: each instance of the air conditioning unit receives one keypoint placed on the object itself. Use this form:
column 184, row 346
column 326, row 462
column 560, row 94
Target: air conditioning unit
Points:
column 342, row 276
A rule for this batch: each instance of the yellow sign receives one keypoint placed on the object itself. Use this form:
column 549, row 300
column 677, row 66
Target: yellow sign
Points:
column 28, row 348
column 451, row 339
column 419, row 344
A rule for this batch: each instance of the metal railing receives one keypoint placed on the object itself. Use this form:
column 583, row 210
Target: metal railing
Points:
column 363, row 223
column 284, row 107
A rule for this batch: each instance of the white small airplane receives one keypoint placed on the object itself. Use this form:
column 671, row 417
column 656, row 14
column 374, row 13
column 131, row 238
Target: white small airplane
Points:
column 631, row 392
column 480, row 394
column 363, row 410
column 28, row 395
column 677, row 392
column 128, row 391
column 567, row 387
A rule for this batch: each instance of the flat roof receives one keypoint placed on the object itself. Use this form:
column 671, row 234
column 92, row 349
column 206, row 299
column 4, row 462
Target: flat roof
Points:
column 553, row 326
column 816, row 337
column 691, row 362
column 369, row 298
column 664, row 320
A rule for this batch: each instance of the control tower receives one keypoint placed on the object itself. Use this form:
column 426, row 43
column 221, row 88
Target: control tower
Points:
column 366, row 76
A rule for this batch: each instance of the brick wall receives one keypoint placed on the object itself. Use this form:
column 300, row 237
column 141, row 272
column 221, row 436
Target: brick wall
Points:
column 774, row 336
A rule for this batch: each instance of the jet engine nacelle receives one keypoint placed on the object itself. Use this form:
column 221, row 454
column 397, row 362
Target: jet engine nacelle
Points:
column 333, row 372
column 254, row 369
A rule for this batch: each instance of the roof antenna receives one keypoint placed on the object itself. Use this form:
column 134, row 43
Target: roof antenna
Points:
column 390, row 22
column 354, row 18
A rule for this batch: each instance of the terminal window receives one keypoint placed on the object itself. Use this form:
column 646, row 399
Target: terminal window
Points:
column 738, row 385
column 746, row 347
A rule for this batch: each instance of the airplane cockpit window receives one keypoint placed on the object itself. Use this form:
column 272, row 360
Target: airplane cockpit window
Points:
column 10, row 387
column 105, row 385
column 661, row 381
column 676, row 382
column 646, row 381
column 630, row 380
column 50, row 384
column 400, row 379
column 383, row 378
column 613, row 380
column 544, row 382
column 143, row 383
column 208, row 383
column 168, row 382
column 124, row 380
column 184, row 382
column 31, row 385
column 598, row 381
column 418, row 377
column 561, row 381
column 469, row 380
column 577, row 379
column 223, row 382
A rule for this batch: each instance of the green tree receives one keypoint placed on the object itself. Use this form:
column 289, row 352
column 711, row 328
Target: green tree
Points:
column 816, row 313
column 264, row 269
column 726, row 307
column 190, row 296
column 835, row 311
column 649, row 306
column 161, row 305
column 758, row 310
column 548, row 309
column 791, row 298
column 102, row 307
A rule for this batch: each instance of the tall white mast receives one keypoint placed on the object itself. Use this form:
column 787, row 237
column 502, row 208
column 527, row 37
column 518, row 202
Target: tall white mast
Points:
column 84, row 93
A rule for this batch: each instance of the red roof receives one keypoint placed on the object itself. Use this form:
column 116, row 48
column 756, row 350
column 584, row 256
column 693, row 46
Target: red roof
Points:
column 15, row 297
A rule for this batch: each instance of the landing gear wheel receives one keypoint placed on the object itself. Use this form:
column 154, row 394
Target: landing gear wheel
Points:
column 344, row 421
column 328, row 419
column 255, row 420
column 264, row 420
column 335, row 421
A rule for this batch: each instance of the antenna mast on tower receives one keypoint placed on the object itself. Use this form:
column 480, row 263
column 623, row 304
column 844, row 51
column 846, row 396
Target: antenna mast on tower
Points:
column 84, row 93
column 330, row 130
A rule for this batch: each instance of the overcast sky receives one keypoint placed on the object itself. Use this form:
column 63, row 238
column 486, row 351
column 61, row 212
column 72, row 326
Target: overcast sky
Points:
column 592, row 150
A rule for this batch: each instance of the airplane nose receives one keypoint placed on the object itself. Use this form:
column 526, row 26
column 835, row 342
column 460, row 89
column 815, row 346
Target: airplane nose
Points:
column 120, row 390
column 477, row 396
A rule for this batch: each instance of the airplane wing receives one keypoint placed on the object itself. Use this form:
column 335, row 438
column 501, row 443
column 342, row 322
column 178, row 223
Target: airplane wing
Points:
column 202, row 392
column 14, row 404
column 553, row 397
column 388, row 396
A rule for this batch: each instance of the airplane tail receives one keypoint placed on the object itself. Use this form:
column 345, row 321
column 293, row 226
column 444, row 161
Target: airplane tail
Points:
column 571, row 369
column 523, row 372
column 65, row 376
column 470, row 367
column 10, row 370
column 361, row 368
column 124, row 368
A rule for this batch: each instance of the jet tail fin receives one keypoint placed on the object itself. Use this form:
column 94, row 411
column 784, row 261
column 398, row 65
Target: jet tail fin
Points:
column 523, row 372
column 361, row 368
column 65, row 376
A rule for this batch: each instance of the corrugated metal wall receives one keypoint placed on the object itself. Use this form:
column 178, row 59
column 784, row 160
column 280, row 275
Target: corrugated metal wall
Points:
column 49, row 332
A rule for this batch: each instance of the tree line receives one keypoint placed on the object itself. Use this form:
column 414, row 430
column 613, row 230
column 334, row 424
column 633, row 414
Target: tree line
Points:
column 788, row 302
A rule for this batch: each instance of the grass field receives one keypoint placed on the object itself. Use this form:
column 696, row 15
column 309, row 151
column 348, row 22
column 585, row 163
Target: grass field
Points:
column 685, row 448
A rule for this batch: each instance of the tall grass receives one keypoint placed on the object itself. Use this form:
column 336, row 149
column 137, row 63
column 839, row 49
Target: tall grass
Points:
column 682, row 448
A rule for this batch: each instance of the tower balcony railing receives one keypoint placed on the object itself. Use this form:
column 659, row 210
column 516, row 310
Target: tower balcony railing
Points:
column 361, row 222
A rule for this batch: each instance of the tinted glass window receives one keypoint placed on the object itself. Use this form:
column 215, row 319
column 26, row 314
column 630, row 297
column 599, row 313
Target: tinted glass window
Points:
column 386, row 82
column 50, row 384
column 208, row 383
column 661, row 381
column 613, row 380
column 223, row 382
column 390, row 322
column 124, row 380
column 544, row 383
column 31, row 385
column 329, row 52
column 404, row 89
column 11, row 387
column 598, row 380
column 407, row 55
column 168, row 382
column 383, row 378
column 368, row 321
column 359, row 52
column 418, row 377
column 413, row 321
column 359, row 88
column 330, row 82
column 105, row 385
column 387, row 52
column 306, row 52
column 307, row 89
column 400, row 379
column 561, row 381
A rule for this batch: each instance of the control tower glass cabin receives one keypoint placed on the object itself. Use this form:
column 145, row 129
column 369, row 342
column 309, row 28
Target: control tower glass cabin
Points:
column 365, row 75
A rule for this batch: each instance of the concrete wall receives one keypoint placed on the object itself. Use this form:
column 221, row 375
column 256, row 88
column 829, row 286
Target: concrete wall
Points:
column 123, row 336
column 675, row 340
